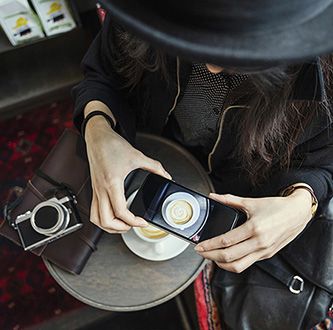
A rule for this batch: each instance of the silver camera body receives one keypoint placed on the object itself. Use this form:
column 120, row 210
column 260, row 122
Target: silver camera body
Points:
column 48, row 221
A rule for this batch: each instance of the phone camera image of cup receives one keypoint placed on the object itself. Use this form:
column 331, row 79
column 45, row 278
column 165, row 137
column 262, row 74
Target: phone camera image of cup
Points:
column 48, row 221
column 171, row 207
column 182, row 211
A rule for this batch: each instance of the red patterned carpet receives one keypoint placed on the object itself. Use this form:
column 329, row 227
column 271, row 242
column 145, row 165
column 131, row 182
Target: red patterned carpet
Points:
column 28, row 294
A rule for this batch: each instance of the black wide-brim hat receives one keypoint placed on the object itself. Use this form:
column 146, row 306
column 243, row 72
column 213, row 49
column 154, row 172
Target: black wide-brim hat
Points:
column 238, row 33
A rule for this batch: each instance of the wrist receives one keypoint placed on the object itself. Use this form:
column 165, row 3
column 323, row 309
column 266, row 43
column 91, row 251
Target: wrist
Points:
column 301, row 199
column 303, row 193
column 93, row 123
column 98, row 106
column 93, row 110
column 95, row 126
column 97, row 122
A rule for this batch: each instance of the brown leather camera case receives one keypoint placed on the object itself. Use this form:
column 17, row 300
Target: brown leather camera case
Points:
column 66, row 163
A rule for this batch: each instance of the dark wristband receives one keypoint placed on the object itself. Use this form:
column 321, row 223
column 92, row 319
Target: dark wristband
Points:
column 92, row 114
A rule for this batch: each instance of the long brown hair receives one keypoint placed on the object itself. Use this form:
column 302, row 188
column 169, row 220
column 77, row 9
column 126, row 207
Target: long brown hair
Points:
column 272, row 122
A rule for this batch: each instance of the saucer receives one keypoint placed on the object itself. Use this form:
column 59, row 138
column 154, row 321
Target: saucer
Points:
column 171, row 246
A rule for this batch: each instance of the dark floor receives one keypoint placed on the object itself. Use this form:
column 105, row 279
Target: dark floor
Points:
column 178, row 313
column 163, row 317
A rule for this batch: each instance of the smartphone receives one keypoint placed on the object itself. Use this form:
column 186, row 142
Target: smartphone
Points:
column 183, row 212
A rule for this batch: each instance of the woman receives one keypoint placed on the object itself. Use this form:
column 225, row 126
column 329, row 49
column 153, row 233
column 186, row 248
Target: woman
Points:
column 259, row 121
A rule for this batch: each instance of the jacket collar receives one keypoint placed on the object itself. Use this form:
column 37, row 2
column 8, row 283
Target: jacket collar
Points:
column 309, row 84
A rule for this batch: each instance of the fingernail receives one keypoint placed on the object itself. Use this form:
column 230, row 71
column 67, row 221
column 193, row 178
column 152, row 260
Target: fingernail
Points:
column 199, row 249
column 168, row 175
column 143, row 223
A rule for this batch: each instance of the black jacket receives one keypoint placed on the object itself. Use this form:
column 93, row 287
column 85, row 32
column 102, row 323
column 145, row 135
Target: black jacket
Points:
column 154, row 99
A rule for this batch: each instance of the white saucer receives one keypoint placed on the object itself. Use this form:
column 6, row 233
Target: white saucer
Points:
column 170, row 247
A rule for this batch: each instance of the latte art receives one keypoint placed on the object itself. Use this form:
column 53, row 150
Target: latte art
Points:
column 180, row 211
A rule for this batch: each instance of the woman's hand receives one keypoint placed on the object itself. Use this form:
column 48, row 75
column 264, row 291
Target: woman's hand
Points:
column 111, row 158
column 272, row 223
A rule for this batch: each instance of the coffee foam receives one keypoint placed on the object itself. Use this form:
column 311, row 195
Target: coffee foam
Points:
column 180, row 211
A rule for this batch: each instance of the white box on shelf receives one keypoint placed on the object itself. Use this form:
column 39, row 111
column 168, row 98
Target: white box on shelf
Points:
column 19, row 22
column 55, row 16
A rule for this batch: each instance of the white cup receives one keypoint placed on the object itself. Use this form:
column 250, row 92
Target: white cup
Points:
column 157, row 243
column 170, row 202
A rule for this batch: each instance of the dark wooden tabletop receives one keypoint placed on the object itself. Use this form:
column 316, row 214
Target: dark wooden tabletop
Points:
column 116, row 279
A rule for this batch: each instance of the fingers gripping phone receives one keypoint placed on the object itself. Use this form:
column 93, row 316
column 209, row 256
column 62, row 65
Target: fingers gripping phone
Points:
column 182, row 211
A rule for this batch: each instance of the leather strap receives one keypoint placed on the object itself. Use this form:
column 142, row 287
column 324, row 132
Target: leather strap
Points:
column 275, row 268
column 7, row 209
column 60, row 186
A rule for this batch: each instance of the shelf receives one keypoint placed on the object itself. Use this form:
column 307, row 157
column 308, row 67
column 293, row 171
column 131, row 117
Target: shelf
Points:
column 78, row 8
column 41, row 70
column 46, row 70
column 6, row 46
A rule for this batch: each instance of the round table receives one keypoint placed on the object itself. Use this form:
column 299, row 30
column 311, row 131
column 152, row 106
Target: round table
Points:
column 114, row 278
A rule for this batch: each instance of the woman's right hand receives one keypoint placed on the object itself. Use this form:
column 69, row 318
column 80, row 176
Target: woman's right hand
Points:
column 111, row 159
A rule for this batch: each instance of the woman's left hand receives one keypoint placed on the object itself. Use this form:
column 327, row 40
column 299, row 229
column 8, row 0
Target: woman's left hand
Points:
column 272, row 223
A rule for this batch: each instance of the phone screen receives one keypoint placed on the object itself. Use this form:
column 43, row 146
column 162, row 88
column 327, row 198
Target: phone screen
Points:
column 182, row 211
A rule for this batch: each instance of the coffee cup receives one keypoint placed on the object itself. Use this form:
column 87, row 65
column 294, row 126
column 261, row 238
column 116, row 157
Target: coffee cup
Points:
column 153, row 235
column 180, row 210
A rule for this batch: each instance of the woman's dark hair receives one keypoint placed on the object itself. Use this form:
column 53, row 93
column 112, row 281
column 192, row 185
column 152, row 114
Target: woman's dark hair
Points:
column 272, row 122
column 132, row 57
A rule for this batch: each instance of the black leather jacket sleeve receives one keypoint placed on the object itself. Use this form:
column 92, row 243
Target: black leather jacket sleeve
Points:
column 314, row 166
column 102, row 83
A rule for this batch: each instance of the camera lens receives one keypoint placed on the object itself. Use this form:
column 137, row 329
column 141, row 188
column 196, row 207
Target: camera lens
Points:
column 49, row 218
column 46, row 217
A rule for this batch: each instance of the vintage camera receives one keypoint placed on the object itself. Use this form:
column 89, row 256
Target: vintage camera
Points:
column 48, row 221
